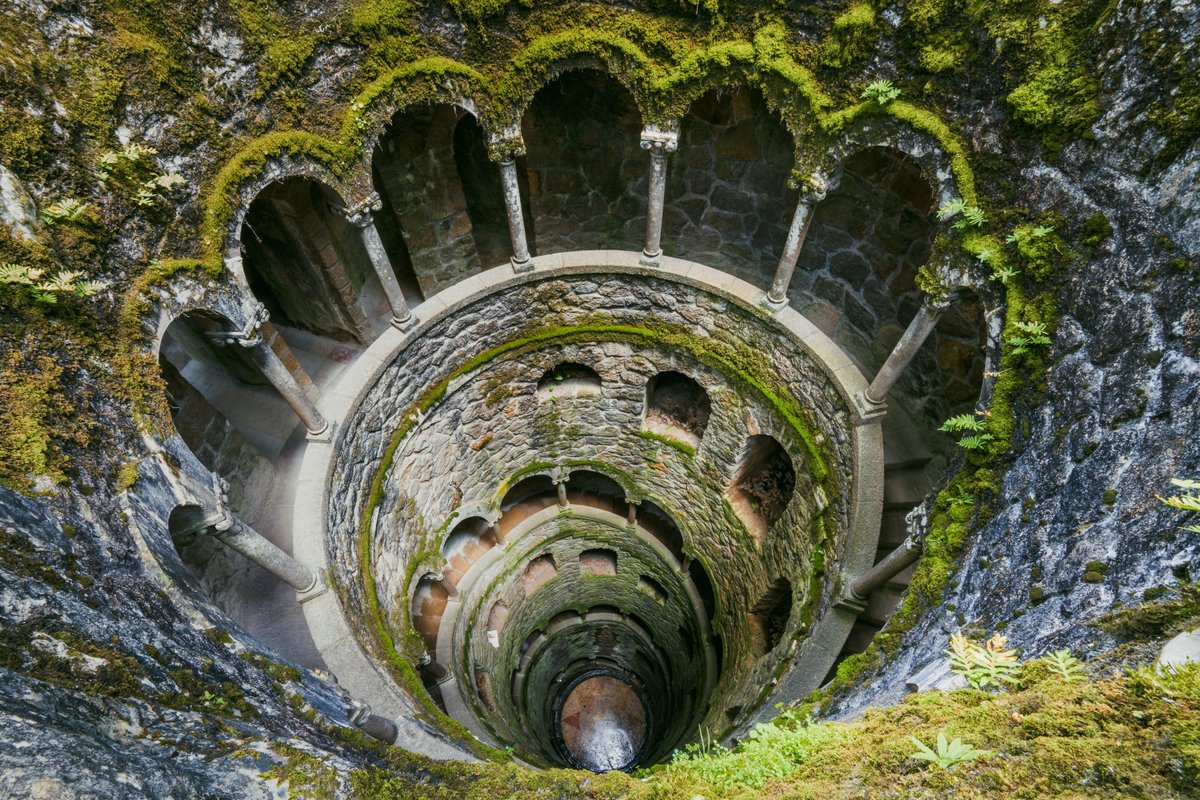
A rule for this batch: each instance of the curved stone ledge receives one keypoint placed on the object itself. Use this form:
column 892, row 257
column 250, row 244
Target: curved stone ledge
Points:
column 861, row 441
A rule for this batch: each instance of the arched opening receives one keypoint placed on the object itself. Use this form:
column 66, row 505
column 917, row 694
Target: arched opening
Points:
column 769, row 617
column 704, row 588
column 598, row 562
column 856, row 275
column 659, row 524
column 463, row 547
column 677, row 407
column 538, row 572
column 425, row 223
column 526, row 498
column 483, row 193
column 653, row 589
column 428, row 605
column 307, row 264
column 563, row 619
column 728, row 204
column 763, row 484
column 527, row 488
column 958, row 344
column 596, row 490
column 497, row 616
column 187, row 526
column 568, row 380
column 585, row 165
column 223, row 408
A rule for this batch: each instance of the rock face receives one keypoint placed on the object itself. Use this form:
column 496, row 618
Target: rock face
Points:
column 119, row 678
column 1078, row 530
column 113, row 688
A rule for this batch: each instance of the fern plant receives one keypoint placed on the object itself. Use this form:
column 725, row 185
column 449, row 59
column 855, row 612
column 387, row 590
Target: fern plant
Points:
column 983, row 665
column 968, row 423
column 1066, row 666
column 881, row 91
column 962, row 497
column 48, row 290
column 969, row 216
column 1032, row 334
column 948, row 753
column 1187, row 500
column 69, row 210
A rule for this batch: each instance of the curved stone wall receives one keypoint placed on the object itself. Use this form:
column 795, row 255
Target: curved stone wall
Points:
column 452, row 418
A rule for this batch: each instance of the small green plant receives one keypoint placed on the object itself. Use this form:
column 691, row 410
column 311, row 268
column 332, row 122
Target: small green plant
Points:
column 948, row 753
column 214, row 701
column 1187, row 500
column 961, row 497
column 48, row 290
column 881, row 91
column 770, row 751
column 1017, row 236
column 1169, row 681
column 969, row 216
column 1031, row 334
column 69, row 210
column 1066, row 666
column 132, row 167
column 964, row 423
column 1003, row 273
column 983, row 665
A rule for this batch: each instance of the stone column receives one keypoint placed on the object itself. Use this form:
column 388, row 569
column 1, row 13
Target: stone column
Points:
column 516, row 216
column 905, row 350
column 275, row 371
column 493, row 528
column 235, row 534
column 561, row 487
column 896, row 562
column 504, row 147
column 251, row 544
column 446, row 583
column 631, row 512
column 373, row 725
column 435, row 669
column 361, row 215
column 659, row 141
column 795, row 240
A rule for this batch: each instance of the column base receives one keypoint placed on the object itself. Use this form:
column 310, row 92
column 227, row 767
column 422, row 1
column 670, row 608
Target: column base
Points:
column 403, row 324
column 773, row 304
column 651, row 259
column 323, row 435
column 318, row 588
column 868, row 409
column 852, row 602
column 521, row 266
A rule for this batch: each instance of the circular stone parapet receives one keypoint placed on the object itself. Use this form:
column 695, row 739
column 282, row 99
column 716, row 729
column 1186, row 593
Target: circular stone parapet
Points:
column 751, row 447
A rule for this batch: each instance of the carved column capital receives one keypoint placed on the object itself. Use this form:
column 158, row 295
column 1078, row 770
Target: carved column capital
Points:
column 813, row 187
column 660, row 139
column 361, row 213
column 936, row 306
column 506, row 145
column 250, row 335
column 222, row 517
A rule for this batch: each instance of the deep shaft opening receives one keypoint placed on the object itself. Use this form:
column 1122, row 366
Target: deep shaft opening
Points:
column 590, row 641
